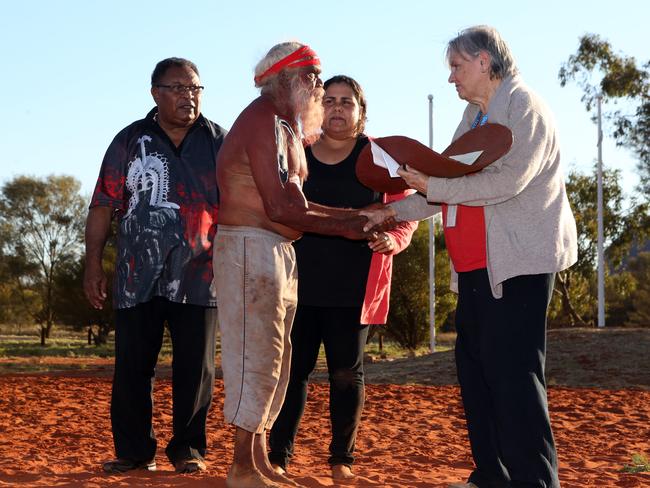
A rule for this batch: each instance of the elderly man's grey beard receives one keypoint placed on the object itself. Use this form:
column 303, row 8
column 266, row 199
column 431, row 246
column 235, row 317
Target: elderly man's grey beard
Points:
column 307, row 105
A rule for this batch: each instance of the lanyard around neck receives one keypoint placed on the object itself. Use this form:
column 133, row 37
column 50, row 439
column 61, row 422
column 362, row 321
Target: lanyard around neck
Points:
column 480, row 119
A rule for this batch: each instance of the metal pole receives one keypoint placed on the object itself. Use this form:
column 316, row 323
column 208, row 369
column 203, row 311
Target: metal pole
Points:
column 432, row 254
column 601, row 260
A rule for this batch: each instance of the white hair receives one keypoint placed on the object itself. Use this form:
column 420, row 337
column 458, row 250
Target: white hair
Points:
column 275, row 54
column 473, row 40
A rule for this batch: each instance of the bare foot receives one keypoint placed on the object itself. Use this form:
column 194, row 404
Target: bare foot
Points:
column 248, row 479
column 273, row 472
column 342, row 472
column 277, row 473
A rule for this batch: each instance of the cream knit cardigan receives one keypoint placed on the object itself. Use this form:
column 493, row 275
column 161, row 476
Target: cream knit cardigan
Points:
column 529, row 225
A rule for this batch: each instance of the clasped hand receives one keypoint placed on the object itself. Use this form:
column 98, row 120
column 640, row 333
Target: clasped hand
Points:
column 382, row 217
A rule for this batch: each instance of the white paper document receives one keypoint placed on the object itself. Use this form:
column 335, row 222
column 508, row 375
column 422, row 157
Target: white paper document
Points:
column 467, row 158
column 384, row 160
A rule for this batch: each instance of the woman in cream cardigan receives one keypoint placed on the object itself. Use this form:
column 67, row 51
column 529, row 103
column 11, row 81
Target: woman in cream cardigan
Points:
column 508, row 229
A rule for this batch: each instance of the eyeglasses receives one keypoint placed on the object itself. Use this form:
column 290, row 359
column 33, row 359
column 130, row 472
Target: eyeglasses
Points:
column 182, row 89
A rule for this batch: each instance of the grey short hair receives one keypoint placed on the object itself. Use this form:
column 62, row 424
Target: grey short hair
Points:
column 473, row 40
column 275, row 54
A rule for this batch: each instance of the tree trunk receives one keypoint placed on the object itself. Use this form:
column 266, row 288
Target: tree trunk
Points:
column 102, row 335
column 42, row 336
column 565, row 282
column 49, row 314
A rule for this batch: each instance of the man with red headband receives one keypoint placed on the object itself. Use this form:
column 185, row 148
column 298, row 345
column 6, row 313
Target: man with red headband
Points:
column 262, row 210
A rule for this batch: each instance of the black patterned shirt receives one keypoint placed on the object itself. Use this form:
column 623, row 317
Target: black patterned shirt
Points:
column 166, row 201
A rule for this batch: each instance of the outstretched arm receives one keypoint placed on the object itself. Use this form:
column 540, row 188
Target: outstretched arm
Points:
column 412, row 208
column 281, row 187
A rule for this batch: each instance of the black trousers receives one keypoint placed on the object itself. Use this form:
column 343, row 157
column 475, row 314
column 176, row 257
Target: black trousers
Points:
column 138, row 339
column 500, row 355
column 344, row 338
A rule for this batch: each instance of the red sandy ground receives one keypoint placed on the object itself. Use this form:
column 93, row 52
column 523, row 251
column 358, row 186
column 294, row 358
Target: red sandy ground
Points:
column 55, row 428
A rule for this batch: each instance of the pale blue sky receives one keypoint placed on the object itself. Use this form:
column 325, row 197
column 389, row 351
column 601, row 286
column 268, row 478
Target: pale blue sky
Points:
column 76, row 72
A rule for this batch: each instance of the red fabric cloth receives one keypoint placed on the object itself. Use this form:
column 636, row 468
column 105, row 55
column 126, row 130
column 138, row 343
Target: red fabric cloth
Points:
column 377, row 298
column 466, row 240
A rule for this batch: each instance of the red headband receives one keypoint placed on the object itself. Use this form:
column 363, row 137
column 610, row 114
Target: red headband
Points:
column 303, row 56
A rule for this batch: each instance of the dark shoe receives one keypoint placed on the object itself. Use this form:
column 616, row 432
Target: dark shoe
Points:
column 189, row 465
column 120, row 465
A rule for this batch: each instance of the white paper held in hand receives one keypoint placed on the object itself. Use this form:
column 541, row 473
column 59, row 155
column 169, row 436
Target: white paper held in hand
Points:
column 384, row 160
column 467, row 158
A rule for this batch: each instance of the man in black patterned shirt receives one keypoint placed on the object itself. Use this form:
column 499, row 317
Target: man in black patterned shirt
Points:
column 158, row 180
